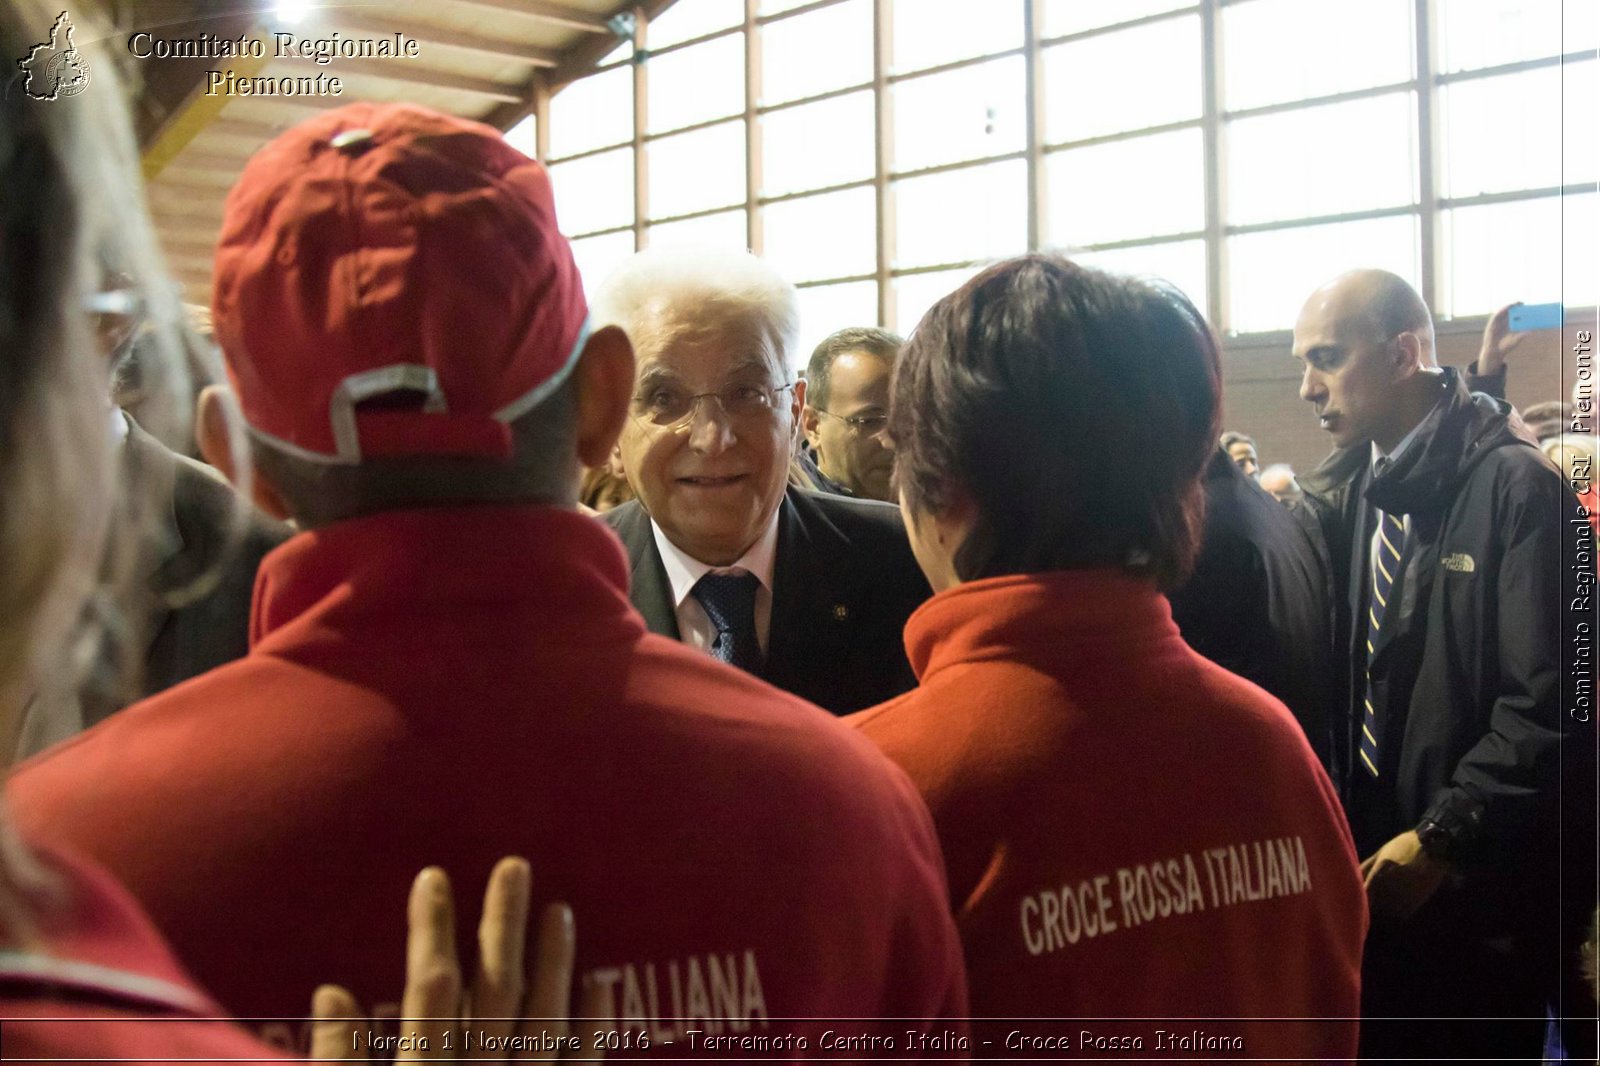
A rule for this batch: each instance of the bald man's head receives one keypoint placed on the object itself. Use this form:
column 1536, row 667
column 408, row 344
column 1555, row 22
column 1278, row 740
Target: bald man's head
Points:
column 1366, row 342
column 1375, row 305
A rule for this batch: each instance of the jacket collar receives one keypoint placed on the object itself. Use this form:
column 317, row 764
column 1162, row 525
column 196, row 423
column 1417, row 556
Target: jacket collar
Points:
column 476, row 558
column 1059, row 619
column 1462, row 428
column 96, row 945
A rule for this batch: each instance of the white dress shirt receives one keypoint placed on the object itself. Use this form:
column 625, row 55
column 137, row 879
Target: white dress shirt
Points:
column 683, row 570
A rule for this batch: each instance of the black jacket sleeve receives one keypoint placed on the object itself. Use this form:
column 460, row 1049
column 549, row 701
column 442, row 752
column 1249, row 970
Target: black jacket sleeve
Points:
column 1506, row 787
column 1489, row 384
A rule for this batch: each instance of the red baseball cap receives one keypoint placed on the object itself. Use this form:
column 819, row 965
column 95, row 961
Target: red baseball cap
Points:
column 384, row 250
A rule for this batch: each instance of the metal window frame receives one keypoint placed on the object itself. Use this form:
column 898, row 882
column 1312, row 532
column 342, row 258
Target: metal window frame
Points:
column 1428, row 206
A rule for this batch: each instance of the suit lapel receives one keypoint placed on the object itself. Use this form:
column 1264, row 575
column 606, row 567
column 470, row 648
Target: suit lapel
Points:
column 648, row 588
column 810, row 607
column 791, row 573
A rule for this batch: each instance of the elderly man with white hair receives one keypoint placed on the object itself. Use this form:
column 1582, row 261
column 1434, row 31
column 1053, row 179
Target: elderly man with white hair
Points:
column 806, row 590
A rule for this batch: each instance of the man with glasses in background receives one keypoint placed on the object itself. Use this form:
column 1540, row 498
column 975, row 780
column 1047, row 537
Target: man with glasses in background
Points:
column 806, row 590
column 847, row 408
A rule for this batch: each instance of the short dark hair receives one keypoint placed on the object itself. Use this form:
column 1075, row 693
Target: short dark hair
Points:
column 879, row 342
column 1230, row 438
column 1013, row 388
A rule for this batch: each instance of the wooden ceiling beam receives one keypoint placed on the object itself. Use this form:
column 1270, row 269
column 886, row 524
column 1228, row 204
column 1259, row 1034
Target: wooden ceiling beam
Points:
column 556, row 14
column 575, row 63
column 412, row 76
column 211, row 161
column 494, row 47
column 250, row 129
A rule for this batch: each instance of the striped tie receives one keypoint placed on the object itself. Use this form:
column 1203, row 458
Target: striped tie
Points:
column 1385, row 565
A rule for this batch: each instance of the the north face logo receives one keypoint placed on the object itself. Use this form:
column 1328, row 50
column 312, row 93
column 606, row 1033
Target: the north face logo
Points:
column 1460, row 562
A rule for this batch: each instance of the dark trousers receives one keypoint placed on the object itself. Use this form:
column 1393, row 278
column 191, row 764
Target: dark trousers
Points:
column 1433, row 994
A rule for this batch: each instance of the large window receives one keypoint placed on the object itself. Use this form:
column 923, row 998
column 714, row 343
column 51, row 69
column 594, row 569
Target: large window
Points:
column 881, row 151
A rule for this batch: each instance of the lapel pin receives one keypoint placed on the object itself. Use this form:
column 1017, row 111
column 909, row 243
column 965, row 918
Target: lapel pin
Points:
column 840, row 612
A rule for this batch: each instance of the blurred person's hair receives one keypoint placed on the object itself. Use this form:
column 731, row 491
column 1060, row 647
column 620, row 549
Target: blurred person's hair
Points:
column 801, row 478
column 1279, row 480
column 1014, row 388
column 686, row 288
column 1548, row 419
column 71, row 216
column 1562, row 449
column 870, row 339
column 1231, row 438
column 601, row 486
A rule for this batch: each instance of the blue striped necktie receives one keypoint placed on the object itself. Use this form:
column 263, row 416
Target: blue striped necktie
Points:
column 730, row 602
column 1385, row 566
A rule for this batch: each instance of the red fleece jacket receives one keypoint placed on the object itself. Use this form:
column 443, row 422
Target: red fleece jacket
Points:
column 453, row 685
column 1131, row 831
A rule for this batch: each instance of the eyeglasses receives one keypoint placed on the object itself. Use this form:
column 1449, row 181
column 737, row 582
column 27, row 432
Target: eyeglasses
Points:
column 671, row 407
column 868, row 425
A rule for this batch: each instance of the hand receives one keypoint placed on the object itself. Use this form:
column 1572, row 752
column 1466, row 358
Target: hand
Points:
column 1498, row 341
column 1400, row 877
column 496, row 1009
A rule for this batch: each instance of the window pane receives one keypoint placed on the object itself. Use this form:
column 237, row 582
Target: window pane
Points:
column 827, row 143
column 592, row 113
column 1580, row 25
column 524, row 137
column 975, row 213
column 1502, row 134
column 597, row 257
column 1580, row 117
column 697, row 84
column 1486, row 33
column 595, row 192
column 792, row 49
column 826, row 309
column 726, row 229
column 1181, row 263
column 1272, row 273
column 1323, row 160
column 1062, row 17
column 915, row 293
column 694, row 171
column 1359, row 44
column 1143, row 187
column 1109, row 84
column 829, row 236
column 1503, row 252
column 773, row 7
column 689, row 19
column 965, row 114
column 930, row 32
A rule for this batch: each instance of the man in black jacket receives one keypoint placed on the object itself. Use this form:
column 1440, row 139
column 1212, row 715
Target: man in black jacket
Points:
column 199, row 557
column 1257, row 602
column 806, row 590
column 1464, row 759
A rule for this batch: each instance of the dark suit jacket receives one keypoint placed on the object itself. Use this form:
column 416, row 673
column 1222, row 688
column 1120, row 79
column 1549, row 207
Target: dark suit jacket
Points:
column 1257, row 603
column 188, row 553
column 844, row 583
